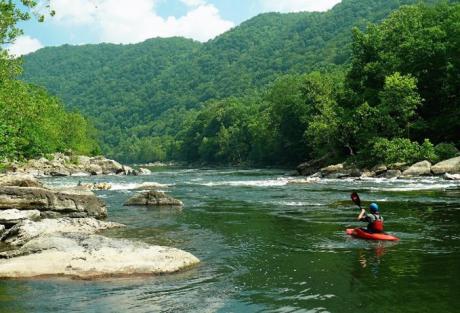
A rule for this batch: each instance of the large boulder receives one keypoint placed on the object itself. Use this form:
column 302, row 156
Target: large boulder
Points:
column 390, row 174
column 19, row 180
column 12, row 217
column 27, row 230
column 91, row 256
column 422, row 168
column 59, row 200
column 451, row 166
column 379, row 169
column 153, row 198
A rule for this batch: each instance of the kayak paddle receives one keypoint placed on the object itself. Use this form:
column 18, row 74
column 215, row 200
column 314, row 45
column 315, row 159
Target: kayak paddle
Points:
column 355, row 198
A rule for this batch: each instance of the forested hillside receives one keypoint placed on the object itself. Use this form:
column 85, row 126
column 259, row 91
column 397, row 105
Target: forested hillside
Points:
column 32, row 122
column 159, row 99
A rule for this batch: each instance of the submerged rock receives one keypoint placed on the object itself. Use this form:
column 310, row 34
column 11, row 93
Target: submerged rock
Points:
column 448, row 176
column 422, row 168
column 144, row 171
column 12, row 217
column 96, row 186
column 27, row 230
column 91, row 256
column 153, row 198
column 451, row 166
column 151, row 186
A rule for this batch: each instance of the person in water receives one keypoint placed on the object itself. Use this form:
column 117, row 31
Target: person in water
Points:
column 374, row 219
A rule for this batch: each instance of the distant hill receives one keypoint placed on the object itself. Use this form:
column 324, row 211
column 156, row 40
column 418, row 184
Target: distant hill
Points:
column 125, row 89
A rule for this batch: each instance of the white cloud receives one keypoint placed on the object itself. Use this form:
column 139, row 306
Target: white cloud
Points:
column 193, row 3
column 24, row 45
column 123, row 21
column 297, row 5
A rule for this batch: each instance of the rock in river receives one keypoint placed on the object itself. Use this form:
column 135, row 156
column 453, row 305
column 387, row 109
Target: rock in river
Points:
column 92, row 256
column 64, row 201
column 422, row 168
column 152, row 197
column 451, row 166
column 27, row 230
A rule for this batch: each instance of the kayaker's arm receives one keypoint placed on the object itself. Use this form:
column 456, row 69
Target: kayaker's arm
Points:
column 361, row 215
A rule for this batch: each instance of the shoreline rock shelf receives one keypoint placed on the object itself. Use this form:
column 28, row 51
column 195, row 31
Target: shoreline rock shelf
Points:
column 60, row 164
column 448, row 169
column 52, row 232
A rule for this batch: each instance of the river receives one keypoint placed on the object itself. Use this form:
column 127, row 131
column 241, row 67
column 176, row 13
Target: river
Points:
column 267, row 245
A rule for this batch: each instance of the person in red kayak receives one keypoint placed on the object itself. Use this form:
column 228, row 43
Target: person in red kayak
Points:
column 374, row 219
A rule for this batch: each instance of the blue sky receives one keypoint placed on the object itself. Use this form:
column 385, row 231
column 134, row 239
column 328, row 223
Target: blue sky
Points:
column 131, row 21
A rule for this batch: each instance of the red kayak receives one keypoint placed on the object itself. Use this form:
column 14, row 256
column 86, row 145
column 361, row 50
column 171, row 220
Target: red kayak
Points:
column 360, row 233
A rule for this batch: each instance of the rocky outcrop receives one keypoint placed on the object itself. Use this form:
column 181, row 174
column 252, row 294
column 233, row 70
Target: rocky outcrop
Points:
column 27, row 230
column 422, row 168
column 64, row 201
column 19, row 180
column 451, row 166
column 12, row 217
column 89, row 257
column 153, row 198
column 63, row 165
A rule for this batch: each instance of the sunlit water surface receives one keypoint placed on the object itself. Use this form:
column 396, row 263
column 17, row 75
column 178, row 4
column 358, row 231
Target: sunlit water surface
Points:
column 270, row 245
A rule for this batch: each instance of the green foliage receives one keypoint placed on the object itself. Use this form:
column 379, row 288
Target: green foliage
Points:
column 374, row 93
column 128, row 90
column 401, row 150
column 32, row 123
column 446, row 151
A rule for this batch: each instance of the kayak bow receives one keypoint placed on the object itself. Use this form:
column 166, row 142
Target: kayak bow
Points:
column 360, row 233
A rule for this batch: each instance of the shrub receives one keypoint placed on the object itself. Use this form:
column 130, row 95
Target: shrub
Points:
column 445, row 151
column 401, row 150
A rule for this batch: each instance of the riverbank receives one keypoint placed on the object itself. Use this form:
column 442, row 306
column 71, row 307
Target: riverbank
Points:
column 60, row 164
column 448, row 169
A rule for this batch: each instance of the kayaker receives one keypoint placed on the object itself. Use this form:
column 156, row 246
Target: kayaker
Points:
column 374, row 219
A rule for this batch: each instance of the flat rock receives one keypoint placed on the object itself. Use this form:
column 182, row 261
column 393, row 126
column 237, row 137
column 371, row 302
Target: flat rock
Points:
column 19, row 180
column 91, row 256
column 42, row 199
column 422, row 168
column 13, row 216
column 27, row 230
column 451, row 166
column 153, row 198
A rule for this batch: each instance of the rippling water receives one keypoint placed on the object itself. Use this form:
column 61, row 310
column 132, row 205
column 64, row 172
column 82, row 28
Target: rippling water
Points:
column 270, row 243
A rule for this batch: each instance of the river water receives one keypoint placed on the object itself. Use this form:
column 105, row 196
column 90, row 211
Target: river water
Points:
column 270, row 245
